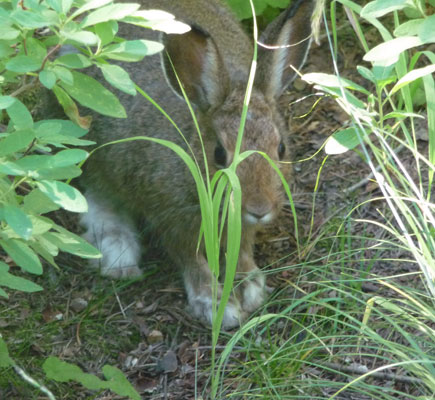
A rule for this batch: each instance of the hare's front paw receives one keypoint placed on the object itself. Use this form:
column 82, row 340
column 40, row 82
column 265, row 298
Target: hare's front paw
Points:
column 202, row 309
column 253, row 291
column 201, row 305
column 115, row 237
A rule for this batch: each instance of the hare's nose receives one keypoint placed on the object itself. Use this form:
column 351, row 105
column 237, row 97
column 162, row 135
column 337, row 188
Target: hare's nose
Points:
column 259, row 214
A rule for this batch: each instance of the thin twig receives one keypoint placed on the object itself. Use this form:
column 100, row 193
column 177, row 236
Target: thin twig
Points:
column 118, row 300
column 362, row 370
column 34, row 383
column 25, row 87
column 53, row 50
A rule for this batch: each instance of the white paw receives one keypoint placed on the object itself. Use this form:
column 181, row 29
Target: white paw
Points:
column 115, row 237
column 201, row 307
column 254, row 291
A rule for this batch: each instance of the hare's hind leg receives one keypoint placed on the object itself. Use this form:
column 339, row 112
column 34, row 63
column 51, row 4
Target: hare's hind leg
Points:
column 115, row 236
column 198, row 281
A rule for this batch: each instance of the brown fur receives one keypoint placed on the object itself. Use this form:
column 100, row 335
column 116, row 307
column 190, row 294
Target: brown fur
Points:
column 147, row 181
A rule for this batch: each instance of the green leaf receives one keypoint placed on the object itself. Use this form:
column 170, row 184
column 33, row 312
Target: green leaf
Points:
column 106, row 31
column 388, row 53
column 64, row 195
column 366, row 73
column 6, row 101
column 38, row 203
column 73, row 244
column 18, row 221
column 68, row 157
column 5, row 50
column 16, row 141
column 23, row 64
column 83, row 37
column 60, row 6
column 243, row 9
column 62, row 371
column 157, row 20
column 36, row 49
column 426, row 31
column 41, row 224
column 109, row 12
column 5, row 360
column 46, row 250
column 33, row 20
column 8, row 33
column 67, row 127
column 22, row 255
column 64, row 74
column 20, row 115
column 378, row 8
column 73, row 60
column 14, row 282
column 46, row 167
column 119, row 383
column 56, row 5
column 331, row 80
column 47, row 78
column 90, row 93
column 70, row 108
column 10, row 168
column 342, row 141
column 413, row 75
column 131, row 50
column 59, row 140
column 409, row 28
column 118, row 78
column 90, row 6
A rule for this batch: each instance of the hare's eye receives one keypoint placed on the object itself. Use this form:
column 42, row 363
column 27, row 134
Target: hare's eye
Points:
column 220, row 156
column 281, row 150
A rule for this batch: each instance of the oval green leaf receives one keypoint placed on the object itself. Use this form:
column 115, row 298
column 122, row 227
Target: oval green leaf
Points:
column 23, row 64
column 73, row 60
column 20, row 115
column 18, row 221
column 108, row 13
column 413, row 75
column 63, row 195
column 119, row 78
column 73, row 244
column 65, row 158
column 47, row 78
column 378, row 8
column 426, row 31
column 22, row 255
column 132, row 50
column 16, row 141
column 342, row 141
column 15, row 282
column 90, row 93
column 388, row 53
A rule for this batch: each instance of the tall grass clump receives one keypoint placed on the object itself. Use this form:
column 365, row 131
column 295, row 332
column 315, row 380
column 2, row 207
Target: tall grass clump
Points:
column 346, row 330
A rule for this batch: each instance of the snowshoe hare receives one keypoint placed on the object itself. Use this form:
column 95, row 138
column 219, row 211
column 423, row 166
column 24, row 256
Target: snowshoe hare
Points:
column 142, row 182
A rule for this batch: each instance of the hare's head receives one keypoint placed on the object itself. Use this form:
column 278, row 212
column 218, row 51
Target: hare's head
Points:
column 216, row 86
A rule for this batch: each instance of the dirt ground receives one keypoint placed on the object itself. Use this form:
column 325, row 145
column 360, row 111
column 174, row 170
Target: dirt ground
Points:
column 143, row 327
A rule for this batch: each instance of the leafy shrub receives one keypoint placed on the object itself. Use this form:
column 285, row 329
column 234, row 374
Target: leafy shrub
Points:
column 36, row 163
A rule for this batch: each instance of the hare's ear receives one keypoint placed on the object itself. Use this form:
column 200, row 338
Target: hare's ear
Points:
column 287, row 40
column 196, row 60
